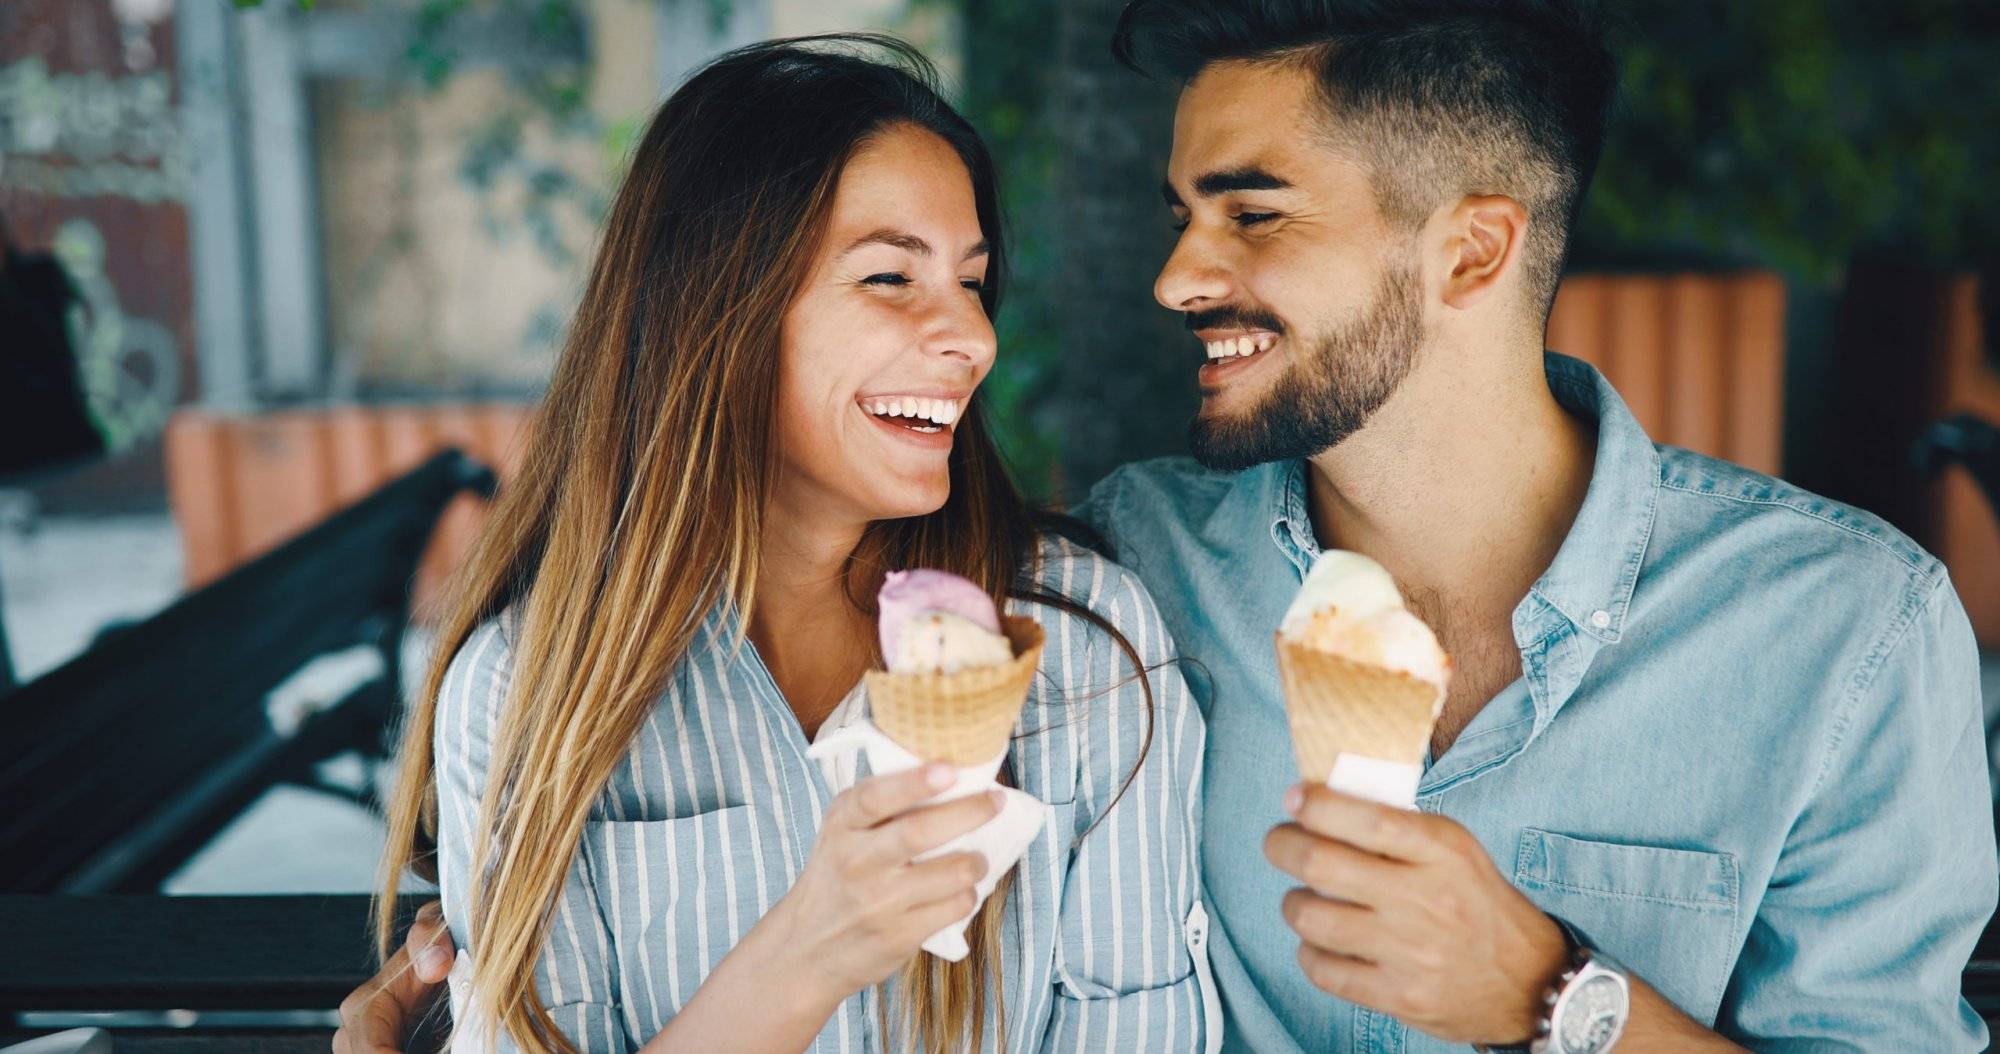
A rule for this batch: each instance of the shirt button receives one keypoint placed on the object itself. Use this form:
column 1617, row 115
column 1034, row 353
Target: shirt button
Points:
column 1600, row 618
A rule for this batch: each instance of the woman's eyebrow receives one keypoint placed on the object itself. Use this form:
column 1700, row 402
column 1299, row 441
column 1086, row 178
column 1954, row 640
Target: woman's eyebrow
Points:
column 908, row 242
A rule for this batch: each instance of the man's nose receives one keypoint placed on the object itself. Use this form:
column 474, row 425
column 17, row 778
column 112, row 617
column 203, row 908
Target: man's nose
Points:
column 1194, row 277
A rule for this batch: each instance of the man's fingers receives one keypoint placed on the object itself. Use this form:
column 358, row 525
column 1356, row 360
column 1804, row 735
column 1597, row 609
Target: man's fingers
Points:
column 1331, row 868
column 1336, row 925
column 1344, row 977
column 429, row 945
column 1381, row 829
column 880, row 798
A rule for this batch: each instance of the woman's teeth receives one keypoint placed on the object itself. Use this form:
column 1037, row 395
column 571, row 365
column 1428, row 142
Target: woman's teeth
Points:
column 923, row 415
column 1238, row 346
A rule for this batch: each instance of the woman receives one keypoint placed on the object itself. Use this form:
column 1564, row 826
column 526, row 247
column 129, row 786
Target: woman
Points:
column 768, row 401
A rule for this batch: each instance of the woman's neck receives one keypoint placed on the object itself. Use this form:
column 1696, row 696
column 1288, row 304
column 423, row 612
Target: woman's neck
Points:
column 811, row 637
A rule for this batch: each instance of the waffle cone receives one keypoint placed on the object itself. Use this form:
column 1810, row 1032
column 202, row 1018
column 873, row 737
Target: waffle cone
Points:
column 1341, row 707
column 965, row 717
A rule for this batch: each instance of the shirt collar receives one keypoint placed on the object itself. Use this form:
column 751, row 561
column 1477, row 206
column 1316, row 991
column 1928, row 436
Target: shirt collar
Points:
column 1590, row 582
column 1267, row 500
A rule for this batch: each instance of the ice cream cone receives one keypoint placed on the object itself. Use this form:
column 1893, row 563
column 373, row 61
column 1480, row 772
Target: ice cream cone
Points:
column 965, row 717
column 1338, row 706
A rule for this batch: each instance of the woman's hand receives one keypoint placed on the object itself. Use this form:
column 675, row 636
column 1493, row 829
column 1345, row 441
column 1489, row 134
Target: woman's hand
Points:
column 860, row 909
column 864, row 905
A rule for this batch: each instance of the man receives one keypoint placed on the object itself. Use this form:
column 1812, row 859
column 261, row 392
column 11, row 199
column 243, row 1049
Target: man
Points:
column 1712, row 764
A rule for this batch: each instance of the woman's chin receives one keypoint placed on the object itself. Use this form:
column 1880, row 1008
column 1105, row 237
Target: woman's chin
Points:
column 915, row 499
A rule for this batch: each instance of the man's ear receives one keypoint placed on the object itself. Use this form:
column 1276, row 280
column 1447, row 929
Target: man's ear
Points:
column 1483, row 243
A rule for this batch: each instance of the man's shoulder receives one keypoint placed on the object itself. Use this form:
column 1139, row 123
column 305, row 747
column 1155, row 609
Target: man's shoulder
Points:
column 1785, row 541
column 1165, row 489
column 1714, row 495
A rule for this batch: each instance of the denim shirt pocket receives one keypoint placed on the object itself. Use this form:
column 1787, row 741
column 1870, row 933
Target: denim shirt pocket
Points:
column 677, row 894
column 1667, row 915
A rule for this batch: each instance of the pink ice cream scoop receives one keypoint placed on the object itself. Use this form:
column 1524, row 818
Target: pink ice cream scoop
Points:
column 908, row 594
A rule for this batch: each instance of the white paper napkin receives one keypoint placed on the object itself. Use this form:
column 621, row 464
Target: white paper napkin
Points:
column 1389, row 782
column 1002, row 839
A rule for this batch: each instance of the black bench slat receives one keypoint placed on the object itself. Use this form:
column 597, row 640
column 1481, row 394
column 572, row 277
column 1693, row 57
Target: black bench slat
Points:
column 123, row 760
column 196, row 953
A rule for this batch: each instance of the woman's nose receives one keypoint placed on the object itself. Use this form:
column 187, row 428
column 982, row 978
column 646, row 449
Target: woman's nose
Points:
column 958, row 328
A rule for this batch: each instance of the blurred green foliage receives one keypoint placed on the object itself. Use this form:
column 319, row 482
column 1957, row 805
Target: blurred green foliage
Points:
column 1797, row 134
column 1009, row 74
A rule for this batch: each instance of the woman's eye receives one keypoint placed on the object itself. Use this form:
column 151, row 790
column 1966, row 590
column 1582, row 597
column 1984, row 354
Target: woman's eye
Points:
column 1180, row 227
column 1251, row 219
column 889, row 278
column 973, row 284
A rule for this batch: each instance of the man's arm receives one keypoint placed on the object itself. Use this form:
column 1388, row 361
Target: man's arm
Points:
column 377, row 1017
column 1404, row 913
column 1888, row 874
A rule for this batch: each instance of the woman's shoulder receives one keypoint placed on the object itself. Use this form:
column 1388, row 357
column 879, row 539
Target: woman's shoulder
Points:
column 475, row 680
column 1091, row 580
column 1092, row 705
column 1086, row 598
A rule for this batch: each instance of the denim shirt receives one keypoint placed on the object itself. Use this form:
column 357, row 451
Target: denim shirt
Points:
column 1744, row 758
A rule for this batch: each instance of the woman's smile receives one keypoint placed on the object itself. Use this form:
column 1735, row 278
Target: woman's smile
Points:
column 924, row 420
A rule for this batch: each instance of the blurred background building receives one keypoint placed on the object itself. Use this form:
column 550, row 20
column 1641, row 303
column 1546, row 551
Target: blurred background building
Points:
column 314, row 242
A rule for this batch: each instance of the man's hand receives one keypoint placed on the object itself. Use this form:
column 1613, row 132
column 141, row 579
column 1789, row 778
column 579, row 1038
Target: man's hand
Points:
column 1403, row 913
column 376, row 1018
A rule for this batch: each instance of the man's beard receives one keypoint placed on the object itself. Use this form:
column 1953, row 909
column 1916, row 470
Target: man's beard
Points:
column 1329, row 389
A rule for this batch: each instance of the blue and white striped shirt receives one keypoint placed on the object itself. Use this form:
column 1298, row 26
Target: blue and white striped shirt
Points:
column 711, row 816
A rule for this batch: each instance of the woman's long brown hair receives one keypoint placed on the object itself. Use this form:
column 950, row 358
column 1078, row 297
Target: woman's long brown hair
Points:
column 641, row 492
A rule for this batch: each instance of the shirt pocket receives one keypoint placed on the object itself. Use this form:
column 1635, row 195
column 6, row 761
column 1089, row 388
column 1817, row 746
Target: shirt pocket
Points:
column 1668, row 915
column 677, row 895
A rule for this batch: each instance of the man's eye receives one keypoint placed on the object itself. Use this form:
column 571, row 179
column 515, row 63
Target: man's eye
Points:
column 1181, row 226
column 973, row 284
column 888, row 278
column 1251, row 219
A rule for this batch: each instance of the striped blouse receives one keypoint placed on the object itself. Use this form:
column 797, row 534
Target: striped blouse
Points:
column 711, row 815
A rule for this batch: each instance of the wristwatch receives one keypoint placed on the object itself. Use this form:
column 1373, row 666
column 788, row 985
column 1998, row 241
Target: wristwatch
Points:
column 1584, row 1011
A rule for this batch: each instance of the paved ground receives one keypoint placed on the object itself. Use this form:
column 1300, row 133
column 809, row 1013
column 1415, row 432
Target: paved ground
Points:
column 64, row 579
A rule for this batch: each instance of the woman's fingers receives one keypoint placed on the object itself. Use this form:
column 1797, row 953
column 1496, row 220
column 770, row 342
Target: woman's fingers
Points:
column 881, row 798
column 928, row 881
column 921, row 830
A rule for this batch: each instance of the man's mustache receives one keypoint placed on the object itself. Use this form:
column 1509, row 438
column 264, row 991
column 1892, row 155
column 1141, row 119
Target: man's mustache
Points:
column 1233, row 318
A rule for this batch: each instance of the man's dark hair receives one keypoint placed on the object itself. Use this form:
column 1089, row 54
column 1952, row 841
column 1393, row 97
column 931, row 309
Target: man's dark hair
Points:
column 1436, row 98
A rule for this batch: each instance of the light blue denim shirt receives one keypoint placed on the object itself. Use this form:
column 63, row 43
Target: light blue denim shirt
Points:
column 712, row 814
column 1745, row 757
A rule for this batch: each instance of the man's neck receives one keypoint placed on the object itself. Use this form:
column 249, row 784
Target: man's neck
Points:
column 1463, row 485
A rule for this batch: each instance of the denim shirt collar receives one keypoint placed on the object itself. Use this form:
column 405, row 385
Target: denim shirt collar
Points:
column 1590, row 582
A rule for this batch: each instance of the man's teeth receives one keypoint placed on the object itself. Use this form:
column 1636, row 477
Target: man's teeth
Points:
column 937, row 411
column 1231, row 347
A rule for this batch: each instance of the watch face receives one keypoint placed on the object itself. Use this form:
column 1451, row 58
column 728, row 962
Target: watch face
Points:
column 1591, row 1016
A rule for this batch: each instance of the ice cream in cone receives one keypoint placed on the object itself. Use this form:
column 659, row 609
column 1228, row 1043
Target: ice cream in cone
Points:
column 1363, row 679
column 958, row 672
